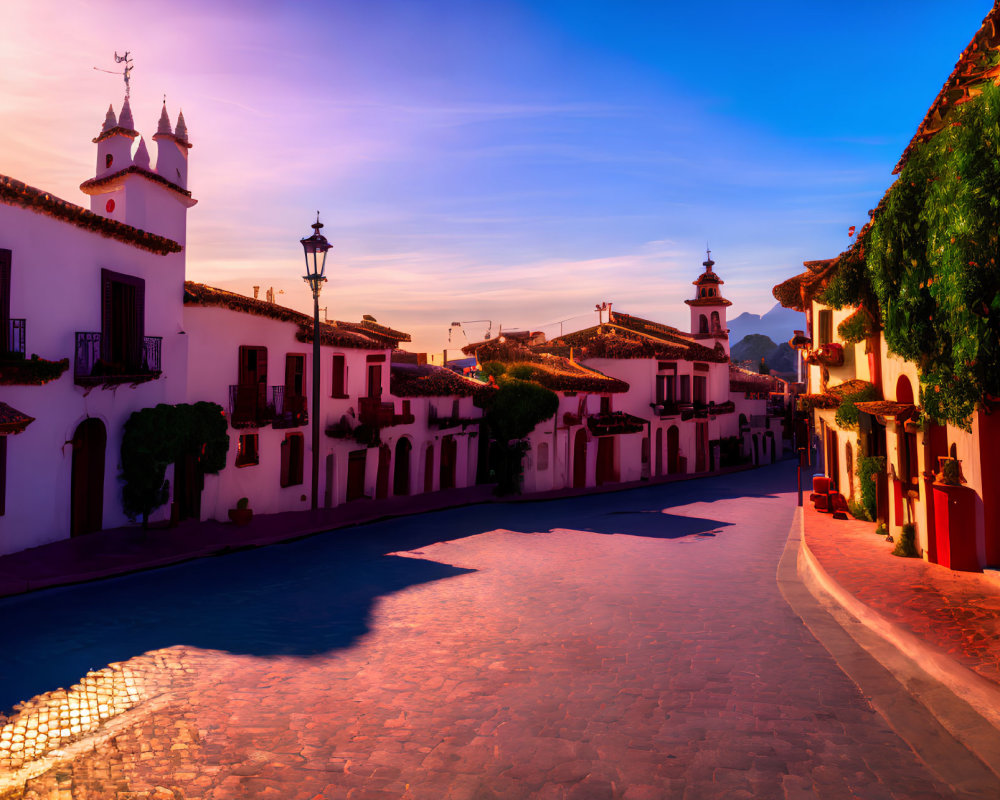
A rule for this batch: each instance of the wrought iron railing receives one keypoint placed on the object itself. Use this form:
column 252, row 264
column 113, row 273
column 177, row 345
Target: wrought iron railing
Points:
column 93, row 362
column 290, row 408
column 248, row 406
column 14, row 343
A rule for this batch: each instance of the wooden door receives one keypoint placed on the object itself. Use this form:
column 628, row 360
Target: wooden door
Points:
column 401, row 471
column 87, row 498
column 449, row 458
column 606, row 461
column 382, row 479
column 673, row 450
column 429, row 469
column 356, row 475
column 580, row 460
column 659, row 451
column 188, row 483
column 701, row 448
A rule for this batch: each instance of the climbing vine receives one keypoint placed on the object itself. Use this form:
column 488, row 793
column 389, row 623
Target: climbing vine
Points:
column 157, row 437
column 928, row 261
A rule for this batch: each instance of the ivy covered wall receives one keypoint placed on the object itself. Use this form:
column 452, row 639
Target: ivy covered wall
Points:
column 926, row 266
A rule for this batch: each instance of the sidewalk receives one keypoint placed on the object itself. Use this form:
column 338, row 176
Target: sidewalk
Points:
column 119, row 551
column 946, row 623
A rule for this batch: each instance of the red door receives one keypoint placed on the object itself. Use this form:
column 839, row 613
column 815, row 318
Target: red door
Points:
column 382, row 479
column 356, row 475
column 449, row 459
column 673, row 450
column 659, row 451
column 580, row 460
column 701, row 448
column 606, row 461
column 87, row 498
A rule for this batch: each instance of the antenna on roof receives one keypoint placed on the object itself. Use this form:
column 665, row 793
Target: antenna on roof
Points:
column 126, row 71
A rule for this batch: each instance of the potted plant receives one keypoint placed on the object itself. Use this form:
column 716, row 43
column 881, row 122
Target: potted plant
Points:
column 949, row 471
column 242, row 514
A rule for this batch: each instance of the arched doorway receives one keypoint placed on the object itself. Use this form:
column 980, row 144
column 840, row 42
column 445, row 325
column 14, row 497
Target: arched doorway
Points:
column 702, row 324
column 756, row 450
column 659, row 451
column 328, row 500
column 401, row 473
column 580, row 459
column 87, row 492
column 904, row 392
column 673, row 450
column 769, row 436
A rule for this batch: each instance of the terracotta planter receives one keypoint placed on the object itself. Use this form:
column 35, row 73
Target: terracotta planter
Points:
column 955, row 527
column 240, row 516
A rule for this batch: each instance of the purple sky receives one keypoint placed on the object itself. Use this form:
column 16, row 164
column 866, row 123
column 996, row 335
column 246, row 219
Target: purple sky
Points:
column 516, row 161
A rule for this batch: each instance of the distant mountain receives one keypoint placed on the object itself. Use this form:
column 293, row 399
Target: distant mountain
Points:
column 754, row 346
column 778, row 324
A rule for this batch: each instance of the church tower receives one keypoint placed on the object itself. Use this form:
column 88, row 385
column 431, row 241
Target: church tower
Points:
column 127, row 189
column 708, row 308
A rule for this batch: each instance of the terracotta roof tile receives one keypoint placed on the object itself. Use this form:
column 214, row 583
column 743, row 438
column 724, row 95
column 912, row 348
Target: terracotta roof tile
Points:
column 426, row 380
column 12, row 420
column 335, row 334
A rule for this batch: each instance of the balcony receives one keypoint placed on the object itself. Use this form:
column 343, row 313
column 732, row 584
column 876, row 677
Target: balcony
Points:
column 665, row 408
column 248, row 406
column 434, row 420
column 13, row 345
column 290, row 408
column 373, row 412
column 609, row 423
column 94, row 365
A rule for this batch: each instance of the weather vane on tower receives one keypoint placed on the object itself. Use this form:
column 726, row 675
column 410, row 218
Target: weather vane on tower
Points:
column 126, row 70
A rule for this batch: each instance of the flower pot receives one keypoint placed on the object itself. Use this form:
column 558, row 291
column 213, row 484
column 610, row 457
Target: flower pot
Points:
column 240, row 516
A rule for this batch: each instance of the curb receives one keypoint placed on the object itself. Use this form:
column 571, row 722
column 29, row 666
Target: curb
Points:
column 966, row 704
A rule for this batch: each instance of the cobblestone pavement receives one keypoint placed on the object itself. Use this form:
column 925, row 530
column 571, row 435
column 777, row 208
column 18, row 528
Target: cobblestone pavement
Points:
column 629, row 646
column 957, row 612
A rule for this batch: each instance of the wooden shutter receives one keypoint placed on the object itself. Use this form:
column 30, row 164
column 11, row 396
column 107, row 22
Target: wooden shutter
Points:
column 107, row 313
column 298, row 457
column 286, row 460
column 244, row 369
column 339, row 384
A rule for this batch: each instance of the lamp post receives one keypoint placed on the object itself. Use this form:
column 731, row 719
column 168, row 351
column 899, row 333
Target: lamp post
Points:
column 315, row 248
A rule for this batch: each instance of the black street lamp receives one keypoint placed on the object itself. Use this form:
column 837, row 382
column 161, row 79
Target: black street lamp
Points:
column 315, row 248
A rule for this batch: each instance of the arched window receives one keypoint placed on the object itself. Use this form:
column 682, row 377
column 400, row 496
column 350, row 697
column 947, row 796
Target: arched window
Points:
column 543, row 456
column 703, row 324
column 716, row 323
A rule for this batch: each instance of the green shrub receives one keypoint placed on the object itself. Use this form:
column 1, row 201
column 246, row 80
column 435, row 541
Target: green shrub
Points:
column 881, row 530
column 858, row 510
column 521, row 372
column 494, row 369
column 512, row 413
column 156, row 437
column 906, row 546
column 868, row 467
column 847, row 411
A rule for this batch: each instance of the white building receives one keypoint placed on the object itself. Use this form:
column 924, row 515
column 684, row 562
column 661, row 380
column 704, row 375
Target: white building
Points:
column 99, row 291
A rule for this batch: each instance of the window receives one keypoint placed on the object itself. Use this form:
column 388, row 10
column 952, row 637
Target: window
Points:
column 339, row 376
column 702, row 324
column 295, row 375
column 825, row 326
column 700, row 390
column 374, row 385
column 716, row 322
column 123, row 303
column 108, row 161
column 292, row 457
column 685, row 388
column 606, row 405
column 543, row 457
column 666, row 388
column 246, row 450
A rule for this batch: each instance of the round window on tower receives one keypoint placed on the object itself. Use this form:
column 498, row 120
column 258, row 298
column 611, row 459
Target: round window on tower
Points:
column 108, row 160
column 109, row 206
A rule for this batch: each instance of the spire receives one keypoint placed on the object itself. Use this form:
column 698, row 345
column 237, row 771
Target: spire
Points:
column 141, row 155
column 125, row 118
column 181, row 132
column 164, row 124
column 109, row 120
column 708, row 263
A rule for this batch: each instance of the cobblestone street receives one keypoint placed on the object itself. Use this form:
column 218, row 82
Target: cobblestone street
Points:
column 631, row 645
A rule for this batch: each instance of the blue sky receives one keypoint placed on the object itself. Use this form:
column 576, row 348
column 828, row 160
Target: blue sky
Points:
column 518, row 161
